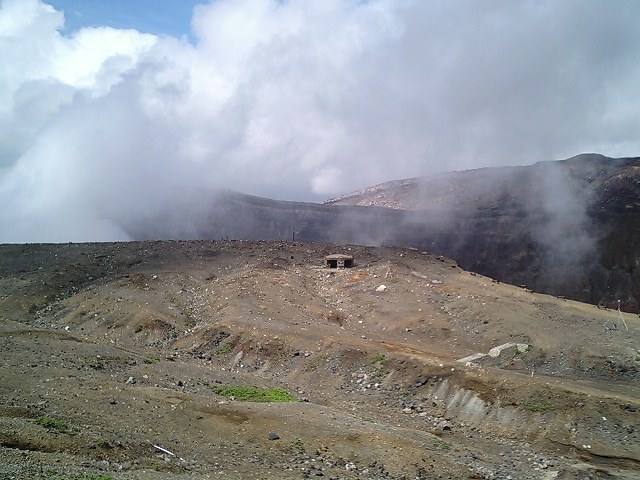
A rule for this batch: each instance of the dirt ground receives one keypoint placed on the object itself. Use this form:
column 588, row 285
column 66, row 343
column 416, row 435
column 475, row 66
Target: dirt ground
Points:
column 114, row 356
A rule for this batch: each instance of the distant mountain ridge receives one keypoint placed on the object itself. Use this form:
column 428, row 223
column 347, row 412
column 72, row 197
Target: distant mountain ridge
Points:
column 569, row 227
column 489, row 187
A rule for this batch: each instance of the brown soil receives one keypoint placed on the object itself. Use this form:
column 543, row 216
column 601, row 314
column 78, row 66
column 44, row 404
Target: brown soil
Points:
column 126, row 343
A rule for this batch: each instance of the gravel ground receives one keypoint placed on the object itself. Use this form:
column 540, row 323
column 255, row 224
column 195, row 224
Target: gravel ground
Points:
column 116, row 357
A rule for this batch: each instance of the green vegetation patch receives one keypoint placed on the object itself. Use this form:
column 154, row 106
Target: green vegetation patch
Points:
column 380, row 358
column 52, row 423
column 298, row 445
column 255, row 394
column 380, row 374
column 224, row 350
column 379, row 361
column 539, row 407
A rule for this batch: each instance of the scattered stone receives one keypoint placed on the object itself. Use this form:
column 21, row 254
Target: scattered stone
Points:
column 471, row 358
column 274, row 436
column 381, row 288
column 444, row 426
column 350, row 467
column 496, row 351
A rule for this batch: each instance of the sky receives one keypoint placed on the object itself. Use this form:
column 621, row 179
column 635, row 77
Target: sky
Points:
column 114, row 111
column 158, row 17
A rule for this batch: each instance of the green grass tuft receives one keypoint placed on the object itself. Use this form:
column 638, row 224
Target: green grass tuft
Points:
column 380, row 358
column 539, row 407
column 255, row 394
column 224, row 349
column 380, row 374
column 298, row 445
column 52, row 423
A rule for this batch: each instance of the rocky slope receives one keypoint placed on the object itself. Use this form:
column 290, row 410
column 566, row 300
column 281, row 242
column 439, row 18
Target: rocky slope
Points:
column 130, row 361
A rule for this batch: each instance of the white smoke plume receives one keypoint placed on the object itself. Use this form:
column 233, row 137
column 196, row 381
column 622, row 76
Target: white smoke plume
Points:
column 105, row 128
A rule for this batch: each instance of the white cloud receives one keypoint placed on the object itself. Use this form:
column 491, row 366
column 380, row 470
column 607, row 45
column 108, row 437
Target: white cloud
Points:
column 96, row 58
column 297, row 100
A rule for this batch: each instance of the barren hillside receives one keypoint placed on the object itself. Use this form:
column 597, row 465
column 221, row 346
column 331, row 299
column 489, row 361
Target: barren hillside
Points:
column 133, row 361
column 567, row 228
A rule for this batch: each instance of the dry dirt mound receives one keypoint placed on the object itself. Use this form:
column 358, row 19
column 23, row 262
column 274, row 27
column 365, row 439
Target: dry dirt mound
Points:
column 134, row 361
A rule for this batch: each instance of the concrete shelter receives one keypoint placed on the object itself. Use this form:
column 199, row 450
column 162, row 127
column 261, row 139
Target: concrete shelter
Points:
column 339, row 260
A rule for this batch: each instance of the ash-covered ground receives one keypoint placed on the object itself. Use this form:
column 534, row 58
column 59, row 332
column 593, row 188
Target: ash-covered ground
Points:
column 129, row 361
